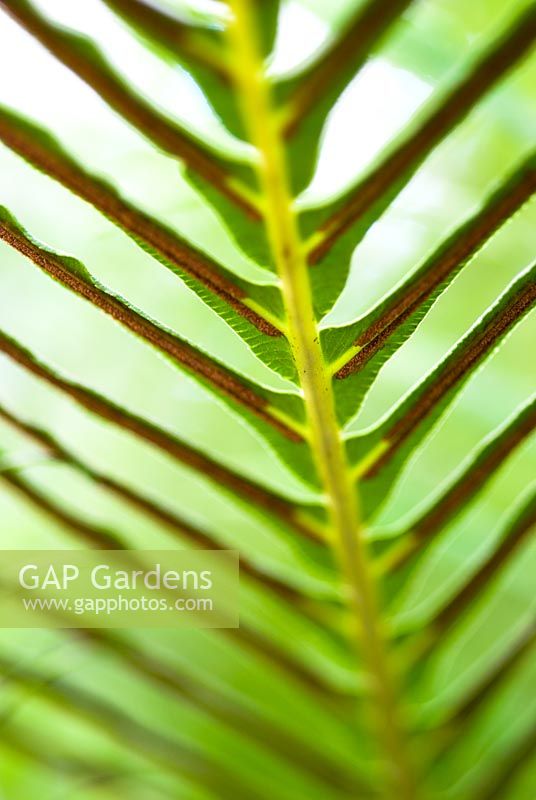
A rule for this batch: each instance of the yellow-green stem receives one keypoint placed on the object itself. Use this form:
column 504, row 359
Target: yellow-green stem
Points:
column 325, row 434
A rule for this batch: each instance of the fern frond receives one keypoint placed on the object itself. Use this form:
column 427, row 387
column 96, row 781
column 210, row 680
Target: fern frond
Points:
column 480, row 468
column 386, row 571
column 337, row 229
column 170, row 444
column 381, row 453
column 165, row 753
column 83, row 58
column 75, row 276
column 308, row 98
column 42, row 151
column 180, row 526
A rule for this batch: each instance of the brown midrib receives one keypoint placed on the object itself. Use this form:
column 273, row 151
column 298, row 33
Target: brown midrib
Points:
column 372, row 340
column 452, row 373
column 140, row 226
column 147, row 330
column 413, row 150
